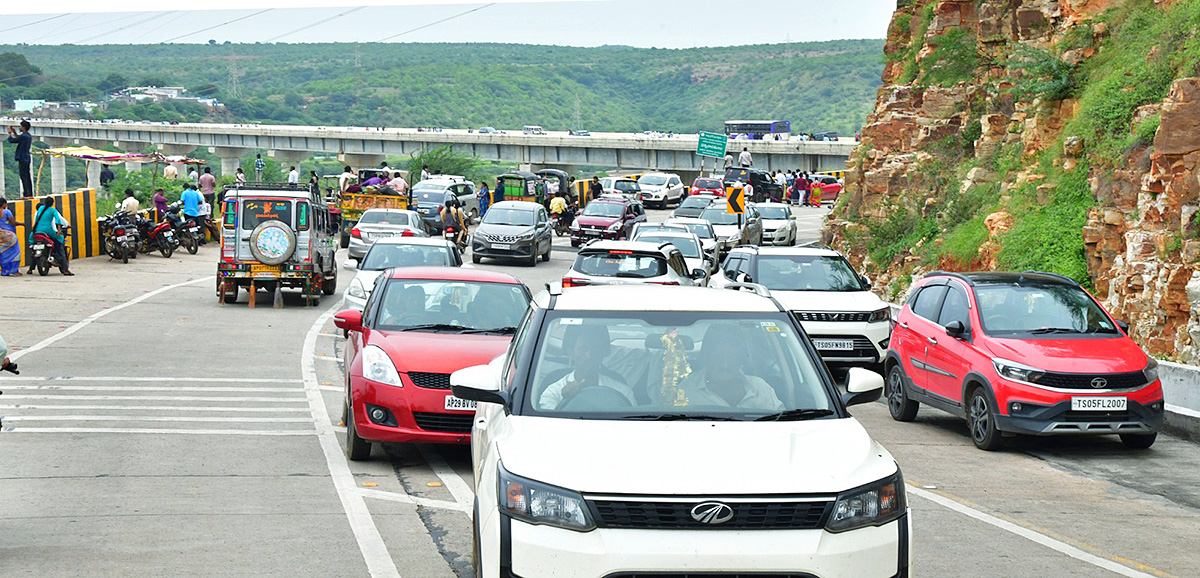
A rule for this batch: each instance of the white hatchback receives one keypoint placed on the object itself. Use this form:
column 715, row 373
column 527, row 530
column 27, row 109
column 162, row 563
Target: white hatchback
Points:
column 641, row 430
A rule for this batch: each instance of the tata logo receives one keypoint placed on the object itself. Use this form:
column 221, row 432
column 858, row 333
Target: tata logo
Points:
column 1099, row 383
column 712, row 513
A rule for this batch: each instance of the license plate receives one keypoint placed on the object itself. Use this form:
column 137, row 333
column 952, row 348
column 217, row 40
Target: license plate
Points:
column 194, row 230
column 460, row 404
column 834, row 344
column 501, row 246
column 264, row 269
column 381, row 235
column 590, row 233
column 39, row 247
column 1098, row 404
column 122, row 238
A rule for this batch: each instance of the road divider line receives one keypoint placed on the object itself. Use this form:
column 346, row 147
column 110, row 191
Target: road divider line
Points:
column 366, row 533
column 47, row 342
column 8, row 397
column 330, row 388
column 943, row 500
column 201, row 418
column 450, row 478
column 145, row 388
column 407, row 499
column 102, row 430
column 163, row 408
column 136, row 379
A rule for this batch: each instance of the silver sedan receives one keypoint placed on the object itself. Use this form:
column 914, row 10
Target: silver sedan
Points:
column 376, row 224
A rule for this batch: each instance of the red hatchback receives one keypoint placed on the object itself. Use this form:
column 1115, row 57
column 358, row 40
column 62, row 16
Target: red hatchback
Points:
column 420, row 325
column 705, row 185
column 1020, row 353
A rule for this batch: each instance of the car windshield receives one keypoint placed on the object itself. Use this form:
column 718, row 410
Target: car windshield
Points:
column 258, row 211
column 769, row 212
column 674, row 365
column 696, row 202
column 1040, row 309
column 449, row 306
column 686, row 245
column 702, row 230
column 597, row 209
column 385, row 255
column 385, row 218
column 516, row 217
column 806, row 273
column 707, row 184
column 717, row 215
column 620, row 264
column 625, row 185
column 653, row 180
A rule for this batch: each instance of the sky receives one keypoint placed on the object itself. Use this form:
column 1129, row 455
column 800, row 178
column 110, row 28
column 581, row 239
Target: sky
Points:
column 640, row 23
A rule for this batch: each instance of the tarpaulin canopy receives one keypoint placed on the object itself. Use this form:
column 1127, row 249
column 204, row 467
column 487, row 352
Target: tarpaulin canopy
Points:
column 112, row 158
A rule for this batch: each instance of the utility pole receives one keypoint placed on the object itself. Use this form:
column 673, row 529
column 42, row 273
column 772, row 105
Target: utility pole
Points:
column 233, row 73
column 357, row 57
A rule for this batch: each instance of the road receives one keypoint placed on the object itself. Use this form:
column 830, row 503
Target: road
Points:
column 155, row 432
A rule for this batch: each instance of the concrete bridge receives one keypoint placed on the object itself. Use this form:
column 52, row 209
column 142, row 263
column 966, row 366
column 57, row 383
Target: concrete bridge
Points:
column 369, row 146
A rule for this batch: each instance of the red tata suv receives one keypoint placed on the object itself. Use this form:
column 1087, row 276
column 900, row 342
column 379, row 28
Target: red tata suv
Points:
column 1020, row 353
column 419, row 325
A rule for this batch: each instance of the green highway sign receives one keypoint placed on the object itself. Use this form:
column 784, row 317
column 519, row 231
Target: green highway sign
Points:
column 711, row 145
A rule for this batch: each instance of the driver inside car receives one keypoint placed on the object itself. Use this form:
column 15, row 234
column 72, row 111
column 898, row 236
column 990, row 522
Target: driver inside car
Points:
column 407, row 309
column 721, row 382
column 586, row 346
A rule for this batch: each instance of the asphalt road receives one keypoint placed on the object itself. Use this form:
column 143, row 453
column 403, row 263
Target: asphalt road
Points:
column 155, row 432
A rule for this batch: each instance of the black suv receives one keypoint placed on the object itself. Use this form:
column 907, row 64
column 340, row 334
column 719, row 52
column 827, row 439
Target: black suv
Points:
column 764, row 186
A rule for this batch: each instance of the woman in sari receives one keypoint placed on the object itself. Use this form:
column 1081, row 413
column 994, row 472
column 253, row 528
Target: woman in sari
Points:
column 10, row 248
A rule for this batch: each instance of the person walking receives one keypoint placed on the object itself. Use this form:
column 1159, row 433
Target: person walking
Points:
column 10, row 246
column 23, row 156
column 106, row 177
column 728, row 161
column 208, row 184
column 814, row 195
column 259, row 165
column 239, row 177
column 802, row 187
column 744, row 159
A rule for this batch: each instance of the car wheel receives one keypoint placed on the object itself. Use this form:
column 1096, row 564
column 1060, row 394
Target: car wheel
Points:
column 575, row 243
column 546, row 256
column 329, row 283
column 532, row 261
column 357, row 449
column 1138, row 441
column 981, row 421
column 476, row 259
column 899, row 405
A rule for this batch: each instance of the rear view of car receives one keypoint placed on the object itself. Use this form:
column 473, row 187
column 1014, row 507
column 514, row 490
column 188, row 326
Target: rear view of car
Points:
column 626, row 262
column 376, row 224
column 710, row 186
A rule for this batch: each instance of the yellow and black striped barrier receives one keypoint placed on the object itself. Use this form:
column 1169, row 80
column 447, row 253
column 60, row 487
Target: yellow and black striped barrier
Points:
column 77, row 207
column 583, row 191
column 841, row 173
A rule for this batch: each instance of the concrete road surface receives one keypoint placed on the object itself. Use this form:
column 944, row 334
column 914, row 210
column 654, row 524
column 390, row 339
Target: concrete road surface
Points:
column 153, row 432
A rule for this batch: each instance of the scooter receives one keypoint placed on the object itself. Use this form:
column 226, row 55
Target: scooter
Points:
column 43, row 252
column 451, row 233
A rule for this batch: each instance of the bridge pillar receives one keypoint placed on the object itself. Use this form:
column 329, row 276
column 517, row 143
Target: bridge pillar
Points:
column 93, row 175
column 231, row 158
column 362, row 160
column 292, row 158
column 58, row 165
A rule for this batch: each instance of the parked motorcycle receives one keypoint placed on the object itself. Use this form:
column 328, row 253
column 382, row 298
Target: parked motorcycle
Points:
column 120, row 236
column 43, row 252
column 187, row 232
column 156, row 236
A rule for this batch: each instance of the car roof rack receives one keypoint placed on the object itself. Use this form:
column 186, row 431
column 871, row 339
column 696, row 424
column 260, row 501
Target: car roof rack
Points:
column 268, row 186
column 1062, row 278
column 970, row 282
column 760, row 290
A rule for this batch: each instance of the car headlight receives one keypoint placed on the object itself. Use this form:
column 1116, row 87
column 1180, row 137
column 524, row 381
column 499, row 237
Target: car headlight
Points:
column 538, row 503
column 874, row 504
column 615, row 226
column 356, row 289
column 378, row 367
column 525, row 236
column 1016, row 371
column 884, row 314
column 1151, row 371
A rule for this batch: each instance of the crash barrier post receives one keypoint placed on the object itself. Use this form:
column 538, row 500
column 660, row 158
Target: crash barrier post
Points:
column 583, row 192
column 78, row 207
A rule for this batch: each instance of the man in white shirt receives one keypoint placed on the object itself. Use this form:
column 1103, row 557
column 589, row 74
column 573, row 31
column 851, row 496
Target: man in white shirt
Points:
column 425, row 173
column 346, row 179
column 293, row 176
column 170, row 172
column 721, row 381
column 781, row 179
column 130, row 205
column 748, row 193
column 745, row 159
column 587, row 345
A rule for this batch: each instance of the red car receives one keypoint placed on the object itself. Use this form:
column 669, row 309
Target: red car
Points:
column 606, row 217
column 707, row 185
column 1020, row 353
column 420, row 325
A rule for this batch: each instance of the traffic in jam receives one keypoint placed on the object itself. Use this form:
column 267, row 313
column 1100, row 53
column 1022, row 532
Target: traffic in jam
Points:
column 677, row 402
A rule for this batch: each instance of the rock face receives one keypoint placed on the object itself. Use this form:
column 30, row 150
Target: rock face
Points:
column 1141, row 241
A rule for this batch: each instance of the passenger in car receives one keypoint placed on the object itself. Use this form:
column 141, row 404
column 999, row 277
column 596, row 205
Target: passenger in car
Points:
column 587, row 346
column 720, row 381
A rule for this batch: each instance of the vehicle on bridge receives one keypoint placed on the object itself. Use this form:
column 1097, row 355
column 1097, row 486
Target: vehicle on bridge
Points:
column 359, row 199
column 275, row 236
column 759, row 129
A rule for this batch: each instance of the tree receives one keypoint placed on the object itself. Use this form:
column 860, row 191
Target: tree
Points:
column 112, row 83
column 16, row 70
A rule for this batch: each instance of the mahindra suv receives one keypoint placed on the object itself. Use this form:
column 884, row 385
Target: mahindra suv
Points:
column 849, row 325
column 639, row 430
column 606, row 217
column 1021, row 353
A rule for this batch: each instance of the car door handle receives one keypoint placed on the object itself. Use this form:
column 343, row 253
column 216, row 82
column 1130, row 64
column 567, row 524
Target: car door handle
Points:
column 245, row 238
column 932, row 340
column 904, row 324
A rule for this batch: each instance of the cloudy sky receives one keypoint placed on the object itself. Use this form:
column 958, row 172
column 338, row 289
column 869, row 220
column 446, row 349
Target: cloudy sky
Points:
column 642, row 23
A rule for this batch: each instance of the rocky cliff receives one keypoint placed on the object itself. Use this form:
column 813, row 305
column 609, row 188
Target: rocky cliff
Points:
column 1060, row 135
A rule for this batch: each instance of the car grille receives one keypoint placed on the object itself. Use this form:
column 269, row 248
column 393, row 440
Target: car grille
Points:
column 430, row 380
column 1084, row 380
column 501, row 238
column 710, row 575
column 746, row 515
column 444, row 422
column 834, row 316
column 1097, row 416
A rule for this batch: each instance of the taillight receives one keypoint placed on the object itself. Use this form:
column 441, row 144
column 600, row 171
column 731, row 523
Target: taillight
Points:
column 568, row 282
column 407, row 233
column 356, row 233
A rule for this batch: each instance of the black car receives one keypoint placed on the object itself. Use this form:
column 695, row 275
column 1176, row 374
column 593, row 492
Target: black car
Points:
column 764, row 186
column 694, row 205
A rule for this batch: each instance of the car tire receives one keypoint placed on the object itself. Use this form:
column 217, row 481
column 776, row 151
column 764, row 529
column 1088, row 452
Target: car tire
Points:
column 329, row 283
column 357, row 449
column 900, row 405
column 533, row 258
column 344, row 240
column 981, row 421
column 1138, row 441
column 575, row 243
column 476, row 259
column 546, row 255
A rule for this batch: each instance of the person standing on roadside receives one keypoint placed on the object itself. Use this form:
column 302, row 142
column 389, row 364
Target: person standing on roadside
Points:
column 10, row 245
column 425, row 172
column 208, row 185
column 106, row 176
column 597, row 188
column 745, row 159
column 160, row 204
column 193, row 175
column 259, row 165
column 130, row 206
column 23, row 156
column 802, row 186
column 240, row 177
column 293, row 176
column 485, row 198
column 498, row 192
column 814, row 196
column 170, row 172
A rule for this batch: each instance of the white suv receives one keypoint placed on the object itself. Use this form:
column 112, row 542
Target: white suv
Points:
column 660, row 189
column 646, row 431
column 625, row 262
column 848, row 323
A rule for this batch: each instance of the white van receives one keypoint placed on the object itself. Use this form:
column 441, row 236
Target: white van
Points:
column 533, row 129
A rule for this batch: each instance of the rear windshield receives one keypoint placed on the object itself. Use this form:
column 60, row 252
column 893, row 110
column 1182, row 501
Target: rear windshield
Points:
column 257, row 211
column 620, row 265
column 686, row 245
column 432, row 197
column 695, row 202
column 773, row 212
column 625, row 185
column 385, row 255
column 707, row 184
column 385, row 218
column 702, row 230
column 718, row 215
column 603, row 210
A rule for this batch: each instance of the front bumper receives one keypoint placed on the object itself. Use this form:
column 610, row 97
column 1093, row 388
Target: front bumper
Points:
column 583, row 235
column 543, row 551
column 481, row 247
column 870, row 340
column 417, row 414
column 778, row 237
column 1058, row 419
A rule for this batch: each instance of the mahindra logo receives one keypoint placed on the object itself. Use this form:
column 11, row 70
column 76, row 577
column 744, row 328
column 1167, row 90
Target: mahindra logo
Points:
column 1099, row 383
column 712, row 513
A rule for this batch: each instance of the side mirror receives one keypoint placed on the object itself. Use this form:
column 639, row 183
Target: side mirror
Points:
column 478, row 383
column 349, row 320
column 350, row 264
column 956, row 329
column 698, row 274
column 862, row 386
column 865, row 281
column 1123, row 325
column 745, row 278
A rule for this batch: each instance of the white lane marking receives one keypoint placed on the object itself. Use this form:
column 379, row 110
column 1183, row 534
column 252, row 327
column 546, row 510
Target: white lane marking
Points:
column 330, row 388
column 162, row 408
column 370, row 542
column 328, row 335
column 216, row 419
column 158, row 398
column 327, row 358
column 133, row 379
column 97, row 315
column 407, row 499
column 1038, row 538
column 1183, row 411
column 116, row 430
column 453, row 482
column 147, row 388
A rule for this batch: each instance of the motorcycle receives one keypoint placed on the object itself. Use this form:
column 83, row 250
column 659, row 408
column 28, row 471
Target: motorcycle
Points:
column 452, row 234
column 120, row 236
column 156, row 236
column 186, row 230
column 43, row 252
column 561, row 225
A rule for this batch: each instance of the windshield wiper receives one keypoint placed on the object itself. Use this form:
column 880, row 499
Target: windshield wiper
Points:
column 435, row 327
column 1056, row 330
column 679, row 417
column 796, row 415
column 508, row 329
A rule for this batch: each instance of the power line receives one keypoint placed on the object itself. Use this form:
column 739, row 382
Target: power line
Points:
column 438, row 22
column 159, row 27
column 317, row 23
column 34, row 22
column 72, row 30
column 226, row 23
column 125, row 27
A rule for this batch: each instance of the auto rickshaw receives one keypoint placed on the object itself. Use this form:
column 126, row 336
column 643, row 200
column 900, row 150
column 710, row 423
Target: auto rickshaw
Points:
column 523, row 186
column 556, row 182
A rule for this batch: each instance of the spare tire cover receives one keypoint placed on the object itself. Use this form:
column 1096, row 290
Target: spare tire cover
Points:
column 272, row 242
